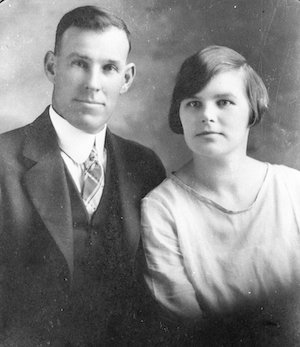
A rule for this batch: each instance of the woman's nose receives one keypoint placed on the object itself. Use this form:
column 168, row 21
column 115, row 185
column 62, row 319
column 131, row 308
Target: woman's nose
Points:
column 208, row 114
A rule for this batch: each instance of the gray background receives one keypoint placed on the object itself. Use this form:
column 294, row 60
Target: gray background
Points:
column 164, row 33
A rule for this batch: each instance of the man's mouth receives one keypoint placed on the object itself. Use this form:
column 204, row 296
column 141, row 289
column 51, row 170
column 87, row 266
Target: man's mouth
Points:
column 90, row 102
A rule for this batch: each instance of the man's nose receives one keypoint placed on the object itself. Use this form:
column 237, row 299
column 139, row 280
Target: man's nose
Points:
column 93, row 80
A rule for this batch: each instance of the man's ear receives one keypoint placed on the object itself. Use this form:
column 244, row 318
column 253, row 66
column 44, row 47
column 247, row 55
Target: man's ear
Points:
column 129, row 75
column 50, row 66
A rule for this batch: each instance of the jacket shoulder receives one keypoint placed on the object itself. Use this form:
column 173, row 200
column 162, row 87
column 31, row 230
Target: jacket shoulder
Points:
column 13, row 140
column 141, row 161
column 135, row 150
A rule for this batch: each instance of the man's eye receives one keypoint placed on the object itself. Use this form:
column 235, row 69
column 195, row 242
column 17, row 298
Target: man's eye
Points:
column 224, row 102
column 110, row 67
column 80, row 63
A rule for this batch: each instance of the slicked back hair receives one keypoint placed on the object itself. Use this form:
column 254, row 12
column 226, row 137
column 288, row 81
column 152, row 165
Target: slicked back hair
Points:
column 88, row 18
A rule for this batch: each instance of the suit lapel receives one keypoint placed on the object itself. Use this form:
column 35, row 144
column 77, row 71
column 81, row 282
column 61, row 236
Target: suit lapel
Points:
column 45, row 181
column 128, row 192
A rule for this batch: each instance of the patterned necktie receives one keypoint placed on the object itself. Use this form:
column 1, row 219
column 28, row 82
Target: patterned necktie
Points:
column 93, row 178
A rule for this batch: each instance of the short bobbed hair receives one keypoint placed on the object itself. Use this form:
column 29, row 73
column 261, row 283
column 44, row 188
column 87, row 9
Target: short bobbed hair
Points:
column 88, row 18
column 198, row 69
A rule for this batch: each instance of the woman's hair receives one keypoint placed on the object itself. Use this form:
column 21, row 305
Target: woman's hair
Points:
column 198, row 69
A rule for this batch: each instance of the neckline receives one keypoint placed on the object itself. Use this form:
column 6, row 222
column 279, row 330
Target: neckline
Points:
column 75, row 143
column 204, row 199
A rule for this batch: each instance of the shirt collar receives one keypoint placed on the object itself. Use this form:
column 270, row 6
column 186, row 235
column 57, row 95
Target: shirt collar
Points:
column 76, row 143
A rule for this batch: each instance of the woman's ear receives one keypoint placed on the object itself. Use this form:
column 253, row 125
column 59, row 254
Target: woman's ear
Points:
column 50, row 66
column 129, row 75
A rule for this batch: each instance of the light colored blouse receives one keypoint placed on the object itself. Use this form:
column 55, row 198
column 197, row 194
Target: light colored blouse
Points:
column 203, row 258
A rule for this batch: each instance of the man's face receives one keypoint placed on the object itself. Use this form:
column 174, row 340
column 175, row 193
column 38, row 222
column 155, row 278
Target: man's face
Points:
column 89, row 73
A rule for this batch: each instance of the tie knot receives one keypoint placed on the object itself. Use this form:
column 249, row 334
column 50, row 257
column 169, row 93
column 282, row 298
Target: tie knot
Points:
column 92, row 159
column 93, row 155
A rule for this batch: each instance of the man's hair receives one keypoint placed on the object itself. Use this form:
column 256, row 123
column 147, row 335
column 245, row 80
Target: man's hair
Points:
column 198, row 69
column 89, row 18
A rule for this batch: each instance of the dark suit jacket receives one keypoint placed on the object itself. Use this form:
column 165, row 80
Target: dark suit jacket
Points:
column 36, row 230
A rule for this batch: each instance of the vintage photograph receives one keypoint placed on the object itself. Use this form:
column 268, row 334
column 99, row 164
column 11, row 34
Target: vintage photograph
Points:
column 149, row 173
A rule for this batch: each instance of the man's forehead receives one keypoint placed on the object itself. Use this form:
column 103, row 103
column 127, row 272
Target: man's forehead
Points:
column 113, row 31
column 111, row 41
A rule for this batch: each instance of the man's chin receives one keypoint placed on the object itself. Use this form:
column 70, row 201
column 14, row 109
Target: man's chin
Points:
column 90, row 125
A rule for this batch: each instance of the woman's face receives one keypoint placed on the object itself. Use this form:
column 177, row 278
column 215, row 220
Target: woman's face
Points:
column 215, row 121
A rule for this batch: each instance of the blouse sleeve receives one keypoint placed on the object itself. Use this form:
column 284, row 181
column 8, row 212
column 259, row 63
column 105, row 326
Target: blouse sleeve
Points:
column 166, row 275
column 291, row 179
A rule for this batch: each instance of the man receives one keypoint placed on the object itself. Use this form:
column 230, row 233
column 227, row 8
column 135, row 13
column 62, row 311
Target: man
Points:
column 70, row 198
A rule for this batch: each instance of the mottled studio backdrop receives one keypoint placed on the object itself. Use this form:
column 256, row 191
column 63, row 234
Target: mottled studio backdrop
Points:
column 164, row 32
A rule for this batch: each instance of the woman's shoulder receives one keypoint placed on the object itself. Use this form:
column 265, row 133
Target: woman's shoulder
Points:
column 287, row 178
column 286, row 173
column 167, row 186
column 170, row 190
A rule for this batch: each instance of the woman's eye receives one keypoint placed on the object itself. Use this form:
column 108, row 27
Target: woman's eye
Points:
column 223, row 103
column 194, row 104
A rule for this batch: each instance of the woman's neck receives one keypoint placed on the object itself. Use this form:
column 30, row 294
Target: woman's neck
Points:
column 218, row 173
column 231, row 182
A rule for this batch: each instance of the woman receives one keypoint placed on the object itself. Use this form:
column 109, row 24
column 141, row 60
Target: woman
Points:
column 221, row 234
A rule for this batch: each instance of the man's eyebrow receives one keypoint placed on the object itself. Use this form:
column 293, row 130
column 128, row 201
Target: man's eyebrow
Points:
column 78, row 55
column 112, row 61
column 85, row 57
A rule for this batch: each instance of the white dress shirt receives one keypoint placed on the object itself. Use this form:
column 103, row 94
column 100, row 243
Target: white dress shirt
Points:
column 76, row 146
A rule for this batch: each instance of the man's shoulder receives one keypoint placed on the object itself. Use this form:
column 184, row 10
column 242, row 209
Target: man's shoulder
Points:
column 127, row 144
column 14, row 133
column 132, row 148
column 13, row 138
column 12, row 142
column 139, row 161
column 19, row 133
